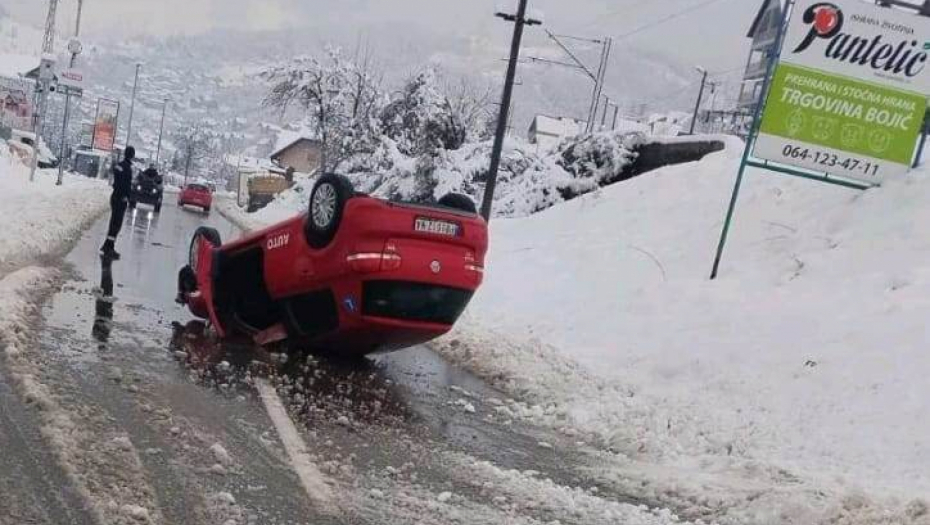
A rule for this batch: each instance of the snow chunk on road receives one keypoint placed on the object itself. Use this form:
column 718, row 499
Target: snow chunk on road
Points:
column 135, row 512
column 225, row 497
column 444, row 497
column 221, row 455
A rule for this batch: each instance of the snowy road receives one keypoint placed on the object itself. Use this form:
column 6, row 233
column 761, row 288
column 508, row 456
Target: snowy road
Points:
column 132, row 414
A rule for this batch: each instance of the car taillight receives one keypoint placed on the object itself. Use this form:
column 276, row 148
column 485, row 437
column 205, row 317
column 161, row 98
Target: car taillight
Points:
column 471, row 264
column 370, row 262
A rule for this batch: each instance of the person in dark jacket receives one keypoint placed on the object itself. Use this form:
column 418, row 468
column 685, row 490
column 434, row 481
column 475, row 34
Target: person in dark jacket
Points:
column 119, row 200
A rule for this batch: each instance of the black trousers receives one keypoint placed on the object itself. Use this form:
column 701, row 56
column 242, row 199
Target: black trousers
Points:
column 117, row 213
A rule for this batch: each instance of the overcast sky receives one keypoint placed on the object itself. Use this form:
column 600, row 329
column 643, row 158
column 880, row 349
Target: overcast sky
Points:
column 711, row 35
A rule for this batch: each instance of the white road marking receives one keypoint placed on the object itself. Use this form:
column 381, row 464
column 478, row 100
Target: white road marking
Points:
column 311, row 478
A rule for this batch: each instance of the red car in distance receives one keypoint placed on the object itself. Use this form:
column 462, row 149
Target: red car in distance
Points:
column 197, row 195
column 352, row 276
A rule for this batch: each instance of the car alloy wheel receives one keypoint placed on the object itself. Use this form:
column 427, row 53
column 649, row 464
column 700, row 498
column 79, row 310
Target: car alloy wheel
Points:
column 323, row 207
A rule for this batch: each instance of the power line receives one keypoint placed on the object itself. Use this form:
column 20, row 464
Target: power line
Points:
column 668, row 18
column 613, row 13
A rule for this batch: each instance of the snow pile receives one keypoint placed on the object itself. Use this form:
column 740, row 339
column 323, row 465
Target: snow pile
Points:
column 800, row 371
column 40, row 217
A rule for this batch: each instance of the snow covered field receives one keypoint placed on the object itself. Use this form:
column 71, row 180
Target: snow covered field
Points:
column 805, row 361
column 39, row 218
column 799, row 373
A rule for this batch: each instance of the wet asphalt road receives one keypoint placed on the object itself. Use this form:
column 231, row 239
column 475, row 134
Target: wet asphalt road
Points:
column 169, row 420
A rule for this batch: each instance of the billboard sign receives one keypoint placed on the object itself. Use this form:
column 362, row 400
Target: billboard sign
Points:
column 849, row 93
column 105, row 124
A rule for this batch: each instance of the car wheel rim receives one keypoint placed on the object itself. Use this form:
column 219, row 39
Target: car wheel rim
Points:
column 324, row 205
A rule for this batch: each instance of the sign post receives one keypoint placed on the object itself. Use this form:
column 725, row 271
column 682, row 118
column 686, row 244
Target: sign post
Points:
column 844, row 98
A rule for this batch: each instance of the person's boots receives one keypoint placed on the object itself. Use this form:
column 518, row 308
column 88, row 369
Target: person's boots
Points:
column 108, row 251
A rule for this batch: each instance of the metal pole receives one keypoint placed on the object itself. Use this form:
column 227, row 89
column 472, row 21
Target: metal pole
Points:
column 697, row 106
column 607, row 104
column 132, row 104
column 502, row 119
column 920, row 146
column 161, row 130
column 776, row 52
column 77, row 24
column 64, row 137
column 43, row 87
column 595, row 95
column 616, row 114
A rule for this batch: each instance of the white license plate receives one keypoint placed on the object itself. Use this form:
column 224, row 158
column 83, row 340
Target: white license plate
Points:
column 450, row 229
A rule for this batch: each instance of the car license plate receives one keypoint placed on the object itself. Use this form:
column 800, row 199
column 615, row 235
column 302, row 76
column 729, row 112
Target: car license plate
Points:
column 438, row 227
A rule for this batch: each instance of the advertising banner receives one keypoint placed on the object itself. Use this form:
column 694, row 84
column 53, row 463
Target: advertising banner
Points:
column 849, row 94
column 105, row 124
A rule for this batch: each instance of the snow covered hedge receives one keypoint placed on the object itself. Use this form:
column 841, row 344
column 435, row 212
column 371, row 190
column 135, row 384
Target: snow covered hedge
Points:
column 527, row 182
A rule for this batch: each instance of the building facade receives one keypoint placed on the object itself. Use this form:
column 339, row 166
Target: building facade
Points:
column 304, row 155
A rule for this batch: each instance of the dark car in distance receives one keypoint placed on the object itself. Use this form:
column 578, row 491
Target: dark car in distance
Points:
column 147, row 188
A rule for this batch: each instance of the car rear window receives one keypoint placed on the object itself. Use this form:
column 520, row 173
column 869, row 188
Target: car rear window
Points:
column 197, row 187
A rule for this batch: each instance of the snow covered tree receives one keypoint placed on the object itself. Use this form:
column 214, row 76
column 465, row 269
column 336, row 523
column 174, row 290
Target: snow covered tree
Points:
column 194, row 149
column 341, row 98
column 421, row 119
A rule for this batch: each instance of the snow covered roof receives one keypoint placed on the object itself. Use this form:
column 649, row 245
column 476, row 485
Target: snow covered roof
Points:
column 14, row 65
column 556, row 126
column 287, row 138
column 246, row 163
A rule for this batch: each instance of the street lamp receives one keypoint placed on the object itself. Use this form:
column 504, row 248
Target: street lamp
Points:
column 132, row 104
column 520, row 20
column 697, row 106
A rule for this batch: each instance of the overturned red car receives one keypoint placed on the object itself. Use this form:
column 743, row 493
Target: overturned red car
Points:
column 352, row 276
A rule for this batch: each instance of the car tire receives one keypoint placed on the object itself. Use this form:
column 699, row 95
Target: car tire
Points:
column 458, row 201
column 327, row 202
column 209, row 235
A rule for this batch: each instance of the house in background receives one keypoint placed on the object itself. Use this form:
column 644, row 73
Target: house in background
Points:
column 302, row 153
column 16, row 89
column 546, row 132
column 764, row 35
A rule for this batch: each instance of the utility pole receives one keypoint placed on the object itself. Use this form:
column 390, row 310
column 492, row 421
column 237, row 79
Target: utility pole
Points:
column 161, row 130
column 616, row 114
column 75, row 47
column 520, row 20
column 44, row 82
column 132, row 104
column 599, row 82
column 697, row 106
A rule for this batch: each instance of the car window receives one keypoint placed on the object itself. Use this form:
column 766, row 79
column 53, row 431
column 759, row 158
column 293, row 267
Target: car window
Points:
column 197, row 187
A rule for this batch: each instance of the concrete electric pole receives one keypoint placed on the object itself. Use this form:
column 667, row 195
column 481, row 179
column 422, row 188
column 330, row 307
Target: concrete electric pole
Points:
column 161, row 130
column 74, row 46
column 132, row 104
column 45, row 80
column 520, row 20
column 697, row 106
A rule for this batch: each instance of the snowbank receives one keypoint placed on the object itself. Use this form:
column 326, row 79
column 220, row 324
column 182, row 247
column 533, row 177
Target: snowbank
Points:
column 39, row 218
column 791, row 390
column 802, row 368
